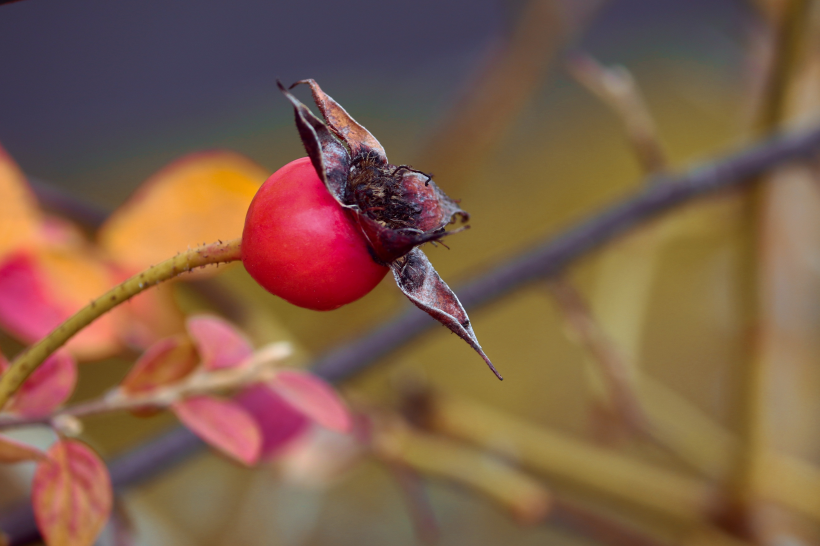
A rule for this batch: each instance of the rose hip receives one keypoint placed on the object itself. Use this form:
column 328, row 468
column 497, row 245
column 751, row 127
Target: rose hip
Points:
column 301, row 245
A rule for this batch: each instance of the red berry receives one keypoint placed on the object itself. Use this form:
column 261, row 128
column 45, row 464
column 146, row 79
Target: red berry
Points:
column 301, row 245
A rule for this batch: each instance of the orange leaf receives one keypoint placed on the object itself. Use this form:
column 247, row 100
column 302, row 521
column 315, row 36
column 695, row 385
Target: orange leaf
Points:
column 49, row 386
column 223, row 424
column 71, row 495
column 219, row 343
column 197, row 199
column 12, row 451
column 313, row 397
column 165, row 362
column 19, row 214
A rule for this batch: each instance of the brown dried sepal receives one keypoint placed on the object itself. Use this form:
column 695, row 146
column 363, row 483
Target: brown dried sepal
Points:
column 422, row 285
column 397, row 207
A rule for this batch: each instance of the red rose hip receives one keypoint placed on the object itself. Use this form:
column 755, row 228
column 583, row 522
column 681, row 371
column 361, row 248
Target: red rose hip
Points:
column 301, row 245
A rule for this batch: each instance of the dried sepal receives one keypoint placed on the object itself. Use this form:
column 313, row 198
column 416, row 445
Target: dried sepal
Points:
column 358, row 139
column 328, row 155
column 421, row 284
column 388, row 244
column 436, row 209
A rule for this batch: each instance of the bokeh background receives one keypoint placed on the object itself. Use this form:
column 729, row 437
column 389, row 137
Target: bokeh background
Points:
column 96, row 96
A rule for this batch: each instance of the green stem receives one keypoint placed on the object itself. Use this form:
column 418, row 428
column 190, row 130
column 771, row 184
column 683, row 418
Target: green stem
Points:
column 30, row 359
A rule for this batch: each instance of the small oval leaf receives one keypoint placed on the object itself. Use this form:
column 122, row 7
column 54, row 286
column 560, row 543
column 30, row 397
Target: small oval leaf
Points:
column 279, row 422
column 12, row 451
column 313, row 397
column 219, row 343
column 71, row 495
column 165, row 362
column 47, row 388
column 223, row 424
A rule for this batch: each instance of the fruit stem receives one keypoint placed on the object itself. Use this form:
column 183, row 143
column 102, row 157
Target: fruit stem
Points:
column 30, row 359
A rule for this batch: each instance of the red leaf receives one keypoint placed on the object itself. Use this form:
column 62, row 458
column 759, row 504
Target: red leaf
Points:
column 278, row 421
column 12, row 451
column 223, row 424
column 47, row 388
column 39, row 291
column 313, row 397
column 22, row 288
column 165, row 362
column 71, row 495
column 219, row 343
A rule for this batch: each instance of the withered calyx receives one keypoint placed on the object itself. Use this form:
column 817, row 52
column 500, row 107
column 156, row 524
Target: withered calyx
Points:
column 397, row 208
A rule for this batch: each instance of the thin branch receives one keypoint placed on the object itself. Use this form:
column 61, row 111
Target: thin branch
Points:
column 257, row 368
column 616, row 87
column 742, row 487
column 433, row 456
column 31, row 358
column 417, row 500
column 570, row 463
column 582, row 521
column 619, row 386
column 659, row 194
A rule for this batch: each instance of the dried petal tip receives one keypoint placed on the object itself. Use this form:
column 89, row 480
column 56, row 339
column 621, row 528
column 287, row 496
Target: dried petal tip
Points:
column 422, row 285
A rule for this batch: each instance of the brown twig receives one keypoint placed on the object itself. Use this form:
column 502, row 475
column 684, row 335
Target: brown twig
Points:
column 743, row 482
column 257, row 368
column 418, row 502
column 438, row 457
column 623, row 397
column 616, row 87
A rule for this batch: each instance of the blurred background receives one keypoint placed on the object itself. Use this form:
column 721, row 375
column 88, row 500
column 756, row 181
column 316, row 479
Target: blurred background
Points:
column 96, row 96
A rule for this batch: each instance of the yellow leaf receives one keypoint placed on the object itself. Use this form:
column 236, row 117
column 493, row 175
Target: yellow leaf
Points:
column 74, row 277
column 19, row 214
column 197, row 199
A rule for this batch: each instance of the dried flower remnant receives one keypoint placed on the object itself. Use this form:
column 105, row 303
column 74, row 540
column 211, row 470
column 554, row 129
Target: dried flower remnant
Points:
column 397, row 208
